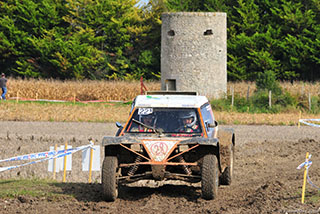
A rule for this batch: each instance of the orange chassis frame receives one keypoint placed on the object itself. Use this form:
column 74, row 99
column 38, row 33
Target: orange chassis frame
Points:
column 164, row 162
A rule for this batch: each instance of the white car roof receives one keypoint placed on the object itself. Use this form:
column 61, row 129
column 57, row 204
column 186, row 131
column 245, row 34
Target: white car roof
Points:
column 170, row 101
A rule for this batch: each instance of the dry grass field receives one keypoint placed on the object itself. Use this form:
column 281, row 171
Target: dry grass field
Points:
column 32, row 111
column 120, row 91
column 295, row 88
column 123, row 90
column 81, row 90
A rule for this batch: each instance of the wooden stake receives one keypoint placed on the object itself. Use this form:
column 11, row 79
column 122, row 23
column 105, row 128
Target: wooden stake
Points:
column 299, row 119
column 17, row 98
column 54, row 163
column 270, row 103
column 304, row 179
column 65, row 163
column 302, row 90
column 90, row 164
column 309, row 99
column 232, row 97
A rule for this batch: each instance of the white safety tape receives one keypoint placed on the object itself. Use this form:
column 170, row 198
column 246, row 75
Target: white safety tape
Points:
column 307, row 164
column 2, row 169
column 304, row 121
column 44, row 155
column 35, row 155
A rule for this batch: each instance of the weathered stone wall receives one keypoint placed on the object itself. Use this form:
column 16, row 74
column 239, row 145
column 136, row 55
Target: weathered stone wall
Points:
column 194, row 52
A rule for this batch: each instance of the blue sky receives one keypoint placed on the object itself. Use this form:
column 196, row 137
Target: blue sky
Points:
column 144, row 1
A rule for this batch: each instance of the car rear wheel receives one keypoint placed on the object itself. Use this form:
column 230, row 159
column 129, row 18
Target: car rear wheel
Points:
column 210, row 177
column 109, row 180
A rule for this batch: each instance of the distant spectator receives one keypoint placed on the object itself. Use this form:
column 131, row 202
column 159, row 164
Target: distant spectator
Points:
column 3, row 86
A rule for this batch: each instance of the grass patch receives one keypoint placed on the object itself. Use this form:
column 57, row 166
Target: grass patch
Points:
column 314, row 198
column 28, row 190
column 33, row 187
column 259, row 103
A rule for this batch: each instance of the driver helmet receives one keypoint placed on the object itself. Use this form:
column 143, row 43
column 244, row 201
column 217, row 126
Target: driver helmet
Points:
column 187, row 115
column 149, row 119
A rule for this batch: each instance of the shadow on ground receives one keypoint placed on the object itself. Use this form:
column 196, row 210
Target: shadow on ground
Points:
column 93, row 192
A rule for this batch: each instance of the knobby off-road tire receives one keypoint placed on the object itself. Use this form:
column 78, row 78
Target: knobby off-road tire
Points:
column 210, row 177
column 109, row 180
column 227, row 175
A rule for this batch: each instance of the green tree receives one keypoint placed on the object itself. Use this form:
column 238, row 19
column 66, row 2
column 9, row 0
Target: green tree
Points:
column 121, row 34
column 298, row 45
column 149, row 42
column 278, row 35
column 115, row 39
column 186, row 5
column 268, row 81
column 38, row 37
column 80, row 39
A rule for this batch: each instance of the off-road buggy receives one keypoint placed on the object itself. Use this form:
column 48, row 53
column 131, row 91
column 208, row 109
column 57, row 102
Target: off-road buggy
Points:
column 169, row 135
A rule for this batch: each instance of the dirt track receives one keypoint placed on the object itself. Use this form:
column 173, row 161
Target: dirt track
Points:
column 266, row 178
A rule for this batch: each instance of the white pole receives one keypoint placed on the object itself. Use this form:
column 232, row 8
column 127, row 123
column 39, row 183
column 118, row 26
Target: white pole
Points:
column 232, row 98
column 269, row 99
column 309, row 99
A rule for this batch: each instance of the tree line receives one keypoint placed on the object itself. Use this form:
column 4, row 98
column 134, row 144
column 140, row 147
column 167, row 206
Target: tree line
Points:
column 120, row 39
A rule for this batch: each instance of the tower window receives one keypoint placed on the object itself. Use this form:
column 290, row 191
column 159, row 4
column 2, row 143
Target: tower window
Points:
column 208, row 32
column 171, row 85
column 171, row 33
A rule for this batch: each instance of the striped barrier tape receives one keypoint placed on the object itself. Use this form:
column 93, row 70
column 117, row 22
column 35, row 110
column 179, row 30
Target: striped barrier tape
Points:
column 44, row 155
column 36, row 155
column 2, row 169
column 307, row 164
column 304, row 121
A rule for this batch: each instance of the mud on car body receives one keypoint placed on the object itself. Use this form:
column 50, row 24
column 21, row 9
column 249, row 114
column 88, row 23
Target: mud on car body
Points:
column 169, row 136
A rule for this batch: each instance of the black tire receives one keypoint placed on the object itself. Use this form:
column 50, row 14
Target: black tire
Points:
column 227, row 175
column 210, row 177
column 109, row 180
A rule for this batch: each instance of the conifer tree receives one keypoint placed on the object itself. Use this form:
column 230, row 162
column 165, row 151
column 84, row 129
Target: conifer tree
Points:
column 280, row 36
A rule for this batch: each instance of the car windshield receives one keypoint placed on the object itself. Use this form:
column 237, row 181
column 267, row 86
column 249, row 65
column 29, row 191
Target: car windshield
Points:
column 164, row 120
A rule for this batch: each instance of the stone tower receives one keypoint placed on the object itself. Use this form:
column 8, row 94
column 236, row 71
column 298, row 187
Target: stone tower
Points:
column 194, row 52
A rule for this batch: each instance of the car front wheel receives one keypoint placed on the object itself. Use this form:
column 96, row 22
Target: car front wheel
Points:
column 109, row 179
column 210, row 177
